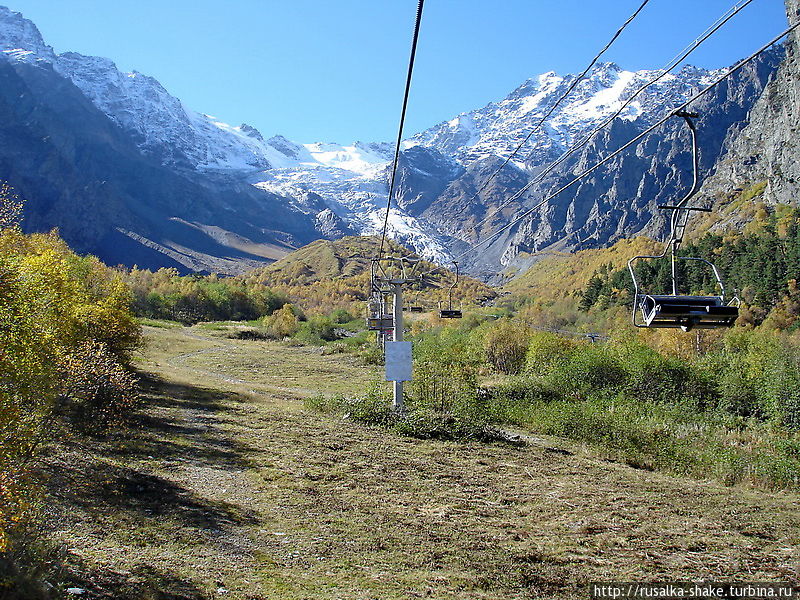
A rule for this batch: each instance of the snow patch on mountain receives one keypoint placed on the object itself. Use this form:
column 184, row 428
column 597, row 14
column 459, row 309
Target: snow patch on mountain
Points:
column 500, row 127
column 20, row 39
column 364, row 160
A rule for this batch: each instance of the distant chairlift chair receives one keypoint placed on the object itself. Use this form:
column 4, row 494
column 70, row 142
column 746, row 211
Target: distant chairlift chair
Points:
column 449, row 312
column 673, row 310
column 377, row 318
column 415, row 306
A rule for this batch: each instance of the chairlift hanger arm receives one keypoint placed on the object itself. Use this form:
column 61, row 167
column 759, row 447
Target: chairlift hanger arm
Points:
column 450, row 312
column 452, row 287
column 688, row 116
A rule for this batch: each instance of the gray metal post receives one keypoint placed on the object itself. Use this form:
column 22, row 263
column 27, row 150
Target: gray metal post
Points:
column 674, row 271
column 397, row 399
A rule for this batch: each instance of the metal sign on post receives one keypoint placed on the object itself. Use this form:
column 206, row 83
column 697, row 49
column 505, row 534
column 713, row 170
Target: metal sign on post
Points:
column 398, row 361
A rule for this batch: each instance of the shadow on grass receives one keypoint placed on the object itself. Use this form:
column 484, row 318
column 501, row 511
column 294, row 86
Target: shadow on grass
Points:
column 180, row 423
column 186, row 432
column 119, row 485
column 143, row 582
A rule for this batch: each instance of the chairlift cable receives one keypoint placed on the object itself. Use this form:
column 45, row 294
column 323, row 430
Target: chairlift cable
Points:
column 402, row 122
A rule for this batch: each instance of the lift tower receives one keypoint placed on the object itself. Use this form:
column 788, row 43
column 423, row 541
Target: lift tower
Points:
column 389, row 275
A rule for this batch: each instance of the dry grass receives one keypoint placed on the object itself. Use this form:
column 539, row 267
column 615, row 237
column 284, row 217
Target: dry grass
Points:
column 254, row 366
column 224, row 488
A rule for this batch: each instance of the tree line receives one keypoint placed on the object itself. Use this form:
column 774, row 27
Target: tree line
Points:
column 67, row 335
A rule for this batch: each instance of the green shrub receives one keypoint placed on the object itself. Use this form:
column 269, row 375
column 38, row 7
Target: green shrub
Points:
column 282, row 323
column 322, row 327
column 326, row 404
column 439, row 388
column 99, row 389
column 372, row 407
column 547, row 351
column 506, row 345
column 340, row 316
column 316, row 331
column 759, row 374
column 515, row 400
column 652, row 377
column 371, row 354
column 590, row 368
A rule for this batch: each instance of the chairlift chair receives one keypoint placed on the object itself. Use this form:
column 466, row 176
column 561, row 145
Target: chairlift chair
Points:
column 377, row 318
column 675, row 310
column 415, row 306
column 380, row 323
column 450, row 312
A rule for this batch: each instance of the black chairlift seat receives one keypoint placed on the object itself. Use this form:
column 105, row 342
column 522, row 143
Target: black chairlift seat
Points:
column 687, row 312
column 416, row 309
column 383, row 323
column 446, row 313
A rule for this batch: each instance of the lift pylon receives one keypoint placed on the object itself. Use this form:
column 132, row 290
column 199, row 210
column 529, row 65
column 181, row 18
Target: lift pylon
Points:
column 388, row 276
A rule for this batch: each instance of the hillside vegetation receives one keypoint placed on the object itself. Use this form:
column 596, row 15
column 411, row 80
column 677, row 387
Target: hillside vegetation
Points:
column 317, row 279
column 760, row 263
column 723, row 405
column 189, row 299
column 710, row 405
column 67, row 342
column 564, row 275
column 326, row 275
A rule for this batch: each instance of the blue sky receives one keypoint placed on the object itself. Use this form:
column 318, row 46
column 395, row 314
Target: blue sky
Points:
column 321, row 70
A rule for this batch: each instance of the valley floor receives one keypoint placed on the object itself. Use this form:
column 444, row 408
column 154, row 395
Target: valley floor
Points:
column 228, row 488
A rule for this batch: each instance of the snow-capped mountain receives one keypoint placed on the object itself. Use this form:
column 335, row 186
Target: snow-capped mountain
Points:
column 346, row 182
column 329, row 189
column 500, row 127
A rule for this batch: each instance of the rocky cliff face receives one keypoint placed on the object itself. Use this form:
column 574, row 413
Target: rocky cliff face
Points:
column 766, row 150
column 618, row 200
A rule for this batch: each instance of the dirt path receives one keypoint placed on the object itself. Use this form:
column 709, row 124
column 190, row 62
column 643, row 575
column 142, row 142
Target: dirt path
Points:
column 225, row 490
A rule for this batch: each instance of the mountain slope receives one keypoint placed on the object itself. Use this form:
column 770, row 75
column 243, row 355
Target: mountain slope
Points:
column 82, row 173
column 336, row 273
column 618, row 200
